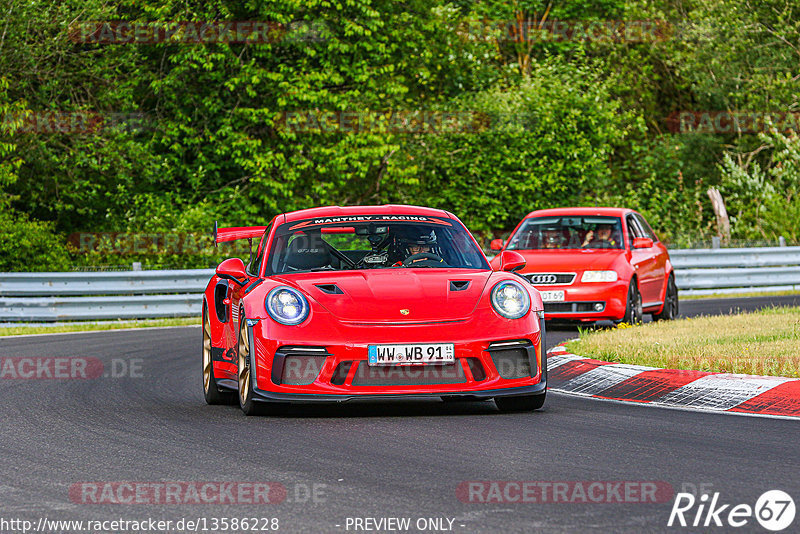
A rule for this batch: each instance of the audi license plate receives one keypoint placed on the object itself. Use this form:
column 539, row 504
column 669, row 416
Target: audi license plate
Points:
column 552, row 296
column 416, row 354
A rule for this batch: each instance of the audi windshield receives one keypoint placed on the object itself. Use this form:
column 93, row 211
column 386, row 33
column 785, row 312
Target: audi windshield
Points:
column 568, row 233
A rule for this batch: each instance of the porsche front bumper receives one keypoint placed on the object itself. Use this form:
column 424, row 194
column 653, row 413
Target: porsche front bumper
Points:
column 317, row 368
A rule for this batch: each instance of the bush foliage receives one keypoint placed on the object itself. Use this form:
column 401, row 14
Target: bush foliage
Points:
column 194, row 133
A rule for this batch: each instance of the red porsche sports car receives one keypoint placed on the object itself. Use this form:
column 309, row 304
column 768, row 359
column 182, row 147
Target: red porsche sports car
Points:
column 373, row 302
column 591, row 264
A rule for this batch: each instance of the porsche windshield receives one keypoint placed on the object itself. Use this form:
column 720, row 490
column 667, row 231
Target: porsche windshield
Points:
column 373, row 242
column 568, row 232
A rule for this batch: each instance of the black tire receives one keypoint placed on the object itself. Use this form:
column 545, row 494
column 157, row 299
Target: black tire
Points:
column 246, row 396
column 670, row 310
column 633, row 309
column 521, row 403
column 211, row 391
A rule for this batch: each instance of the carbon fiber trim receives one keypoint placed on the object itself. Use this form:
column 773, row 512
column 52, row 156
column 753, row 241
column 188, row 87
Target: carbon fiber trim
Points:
column 270, row 396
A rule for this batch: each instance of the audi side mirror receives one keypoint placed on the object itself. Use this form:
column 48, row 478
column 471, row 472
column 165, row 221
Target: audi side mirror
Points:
column 642, row 242
column 496, row 244
column 232, row 269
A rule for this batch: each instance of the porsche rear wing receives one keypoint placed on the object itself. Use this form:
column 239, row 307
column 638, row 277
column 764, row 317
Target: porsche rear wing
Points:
column 234, row 233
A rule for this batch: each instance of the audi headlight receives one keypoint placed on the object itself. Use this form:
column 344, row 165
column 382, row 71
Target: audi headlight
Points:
column 599, row 276
column 510, row 299
column 286, row 305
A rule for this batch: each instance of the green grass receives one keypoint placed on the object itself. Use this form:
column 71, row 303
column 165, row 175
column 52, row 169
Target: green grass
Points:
column 23, row 329
column 766, row 342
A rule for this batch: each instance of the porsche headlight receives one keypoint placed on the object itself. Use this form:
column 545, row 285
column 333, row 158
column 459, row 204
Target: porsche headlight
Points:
column 510, row 299
column 286, row 305
column 599, row 276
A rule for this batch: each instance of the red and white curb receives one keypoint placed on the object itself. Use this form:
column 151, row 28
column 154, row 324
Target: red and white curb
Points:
column 700, row 390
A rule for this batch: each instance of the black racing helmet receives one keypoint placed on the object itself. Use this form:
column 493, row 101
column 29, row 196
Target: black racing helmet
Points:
column 406, row 236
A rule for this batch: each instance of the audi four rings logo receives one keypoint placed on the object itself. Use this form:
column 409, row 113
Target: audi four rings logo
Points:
column 543, row 279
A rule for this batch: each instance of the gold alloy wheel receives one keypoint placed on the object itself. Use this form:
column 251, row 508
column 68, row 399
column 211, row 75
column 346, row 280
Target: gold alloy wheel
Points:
column 244, row 367
column 206, row 353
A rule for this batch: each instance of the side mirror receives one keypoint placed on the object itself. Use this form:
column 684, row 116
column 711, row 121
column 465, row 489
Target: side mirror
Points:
column 511, row 261
column 232, row 269
column 496, row 244
column 642, row 242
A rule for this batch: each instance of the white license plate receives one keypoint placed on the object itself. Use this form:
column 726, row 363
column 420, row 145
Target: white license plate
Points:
column 416, row 354
column 552, row 296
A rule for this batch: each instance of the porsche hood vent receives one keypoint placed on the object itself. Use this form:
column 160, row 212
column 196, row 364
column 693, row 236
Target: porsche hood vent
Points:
column 330, row 289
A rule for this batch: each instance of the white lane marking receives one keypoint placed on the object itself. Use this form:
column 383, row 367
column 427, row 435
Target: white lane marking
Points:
column 721, row 391
column 603, row 377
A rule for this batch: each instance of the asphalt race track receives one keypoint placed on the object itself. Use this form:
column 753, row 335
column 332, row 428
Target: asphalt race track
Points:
column 146, row 422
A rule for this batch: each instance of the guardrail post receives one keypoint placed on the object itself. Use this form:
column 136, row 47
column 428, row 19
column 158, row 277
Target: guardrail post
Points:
column 715, row 242
column 782, row 241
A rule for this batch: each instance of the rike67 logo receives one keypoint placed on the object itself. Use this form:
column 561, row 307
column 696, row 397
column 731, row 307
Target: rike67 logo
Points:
column 774, row 510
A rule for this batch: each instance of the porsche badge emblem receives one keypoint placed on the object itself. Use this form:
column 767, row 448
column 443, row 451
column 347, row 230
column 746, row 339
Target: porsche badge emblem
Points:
column 405, row 311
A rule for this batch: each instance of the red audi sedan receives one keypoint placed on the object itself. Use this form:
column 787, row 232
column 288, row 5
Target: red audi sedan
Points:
column 593, row 264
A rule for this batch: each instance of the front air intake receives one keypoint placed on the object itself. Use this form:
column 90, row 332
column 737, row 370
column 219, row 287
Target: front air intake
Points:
column 574, row 307
column 476, row 368
column 340, row 374
column 298, row 366
column 408, row 375
column 513, row 359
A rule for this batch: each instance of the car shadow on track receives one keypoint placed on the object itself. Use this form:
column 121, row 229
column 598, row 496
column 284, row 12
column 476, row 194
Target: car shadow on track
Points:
column 388, row 408
column 378, row 409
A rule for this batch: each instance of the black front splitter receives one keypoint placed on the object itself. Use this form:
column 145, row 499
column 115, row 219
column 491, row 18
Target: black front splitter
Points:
column 269, row 396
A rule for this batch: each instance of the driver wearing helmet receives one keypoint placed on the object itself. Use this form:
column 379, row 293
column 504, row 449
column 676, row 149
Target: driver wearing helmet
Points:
column 417, row 247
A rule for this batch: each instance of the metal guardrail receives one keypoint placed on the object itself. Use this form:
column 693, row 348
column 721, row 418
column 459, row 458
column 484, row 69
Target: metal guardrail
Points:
column 103, row 283
column 26, row 297
column 736, row 270
column 99, row 308
column 734, row 257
